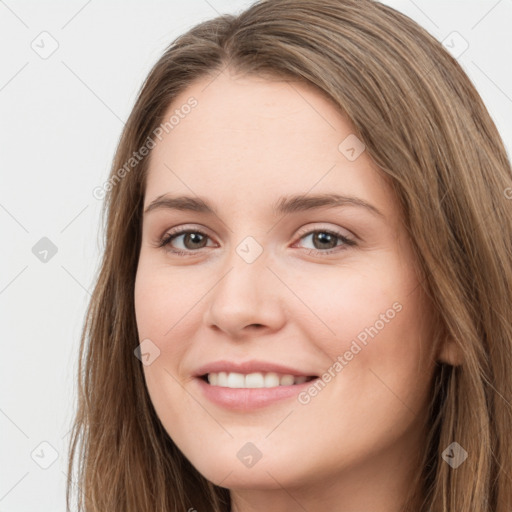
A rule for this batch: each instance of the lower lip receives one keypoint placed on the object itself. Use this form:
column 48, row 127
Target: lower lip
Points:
column 243, row 399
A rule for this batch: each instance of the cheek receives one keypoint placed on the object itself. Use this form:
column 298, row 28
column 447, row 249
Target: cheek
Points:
column 375, row 333
column 165, row 313
column 345, row 304
column 164, row 300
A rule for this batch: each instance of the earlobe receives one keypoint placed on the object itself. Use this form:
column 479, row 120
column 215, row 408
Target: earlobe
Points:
column 450, row 352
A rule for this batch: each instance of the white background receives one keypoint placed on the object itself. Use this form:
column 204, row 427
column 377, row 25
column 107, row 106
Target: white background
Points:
column 61, row 118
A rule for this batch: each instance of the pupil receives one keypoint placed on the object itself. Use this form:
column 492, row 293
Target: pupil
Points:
column 322, row 236
column 193, row 236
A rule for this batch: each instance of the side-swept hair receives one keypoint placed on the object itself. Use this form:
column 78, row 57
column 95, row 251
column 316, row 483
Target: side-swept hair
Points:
column 427, row 129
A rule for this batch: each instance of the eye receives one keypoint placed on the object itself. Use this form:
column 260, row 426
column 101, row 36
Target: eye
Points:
column 192, row 240
column 325, row 241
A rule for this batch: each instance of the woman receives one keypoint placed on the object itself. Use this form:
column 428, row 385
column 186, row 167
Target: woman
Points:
column 261, row 369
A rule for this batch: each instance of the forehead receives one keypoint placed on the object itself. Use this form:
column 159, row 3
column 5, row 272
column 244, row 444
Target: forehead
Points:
column 246, row 137
column 243, row 114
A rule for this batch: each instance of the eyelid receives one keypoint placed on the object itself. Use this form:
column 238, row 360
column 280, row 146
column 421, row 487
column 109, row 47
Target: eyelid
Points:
column 182, row 229
column 186, row 227
column 308, row 229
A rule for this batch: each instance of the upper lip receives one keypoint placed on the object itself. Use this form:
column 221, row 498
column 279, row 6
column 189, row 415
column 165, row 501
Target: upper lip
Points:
column 246, row 367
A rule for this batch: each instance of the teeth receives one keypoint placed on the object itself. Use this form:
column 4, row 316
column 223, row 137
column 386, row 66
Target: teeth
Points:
column 271, row 380
column 253, row 380
column 287, row 380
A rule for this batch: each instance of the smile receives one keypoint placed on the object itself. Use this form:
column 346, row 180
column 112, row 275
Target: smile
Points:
column 240, row 392
column 253, row 380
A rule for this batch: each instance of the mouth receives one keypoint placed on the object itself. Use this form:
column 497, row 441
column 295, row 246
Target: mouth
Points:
column 254, row 380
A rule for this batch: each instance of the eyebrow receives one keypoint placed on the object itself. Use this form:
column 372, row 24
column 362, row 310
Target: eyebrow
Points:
column 284, row 205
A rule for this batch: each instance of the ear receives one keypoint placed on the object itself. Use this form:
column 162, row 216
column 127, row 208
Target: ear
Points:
column 450, row 352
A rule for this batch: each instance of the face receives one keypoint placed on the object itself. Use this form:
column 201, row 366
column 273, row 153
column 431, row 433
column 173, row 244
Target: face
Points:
column 287, row 268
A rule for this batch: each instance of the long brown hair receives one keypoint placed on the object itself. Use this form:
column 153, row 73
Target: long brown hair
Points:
column 427, row 129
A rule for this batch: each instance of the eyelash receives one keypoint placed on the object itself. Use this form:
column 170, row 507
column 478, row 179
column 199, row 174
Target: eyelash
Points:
column 166, row 240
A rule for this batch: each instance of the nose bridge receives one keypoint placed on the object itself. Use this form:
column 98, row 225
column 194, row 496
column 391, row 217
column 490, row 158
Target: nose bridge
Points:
column 244, row 294
column 245, row 280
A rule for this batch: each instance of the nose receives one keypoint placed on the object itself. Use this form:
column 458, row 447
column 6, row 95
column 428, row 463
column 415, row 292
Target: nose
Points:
column 245, row 299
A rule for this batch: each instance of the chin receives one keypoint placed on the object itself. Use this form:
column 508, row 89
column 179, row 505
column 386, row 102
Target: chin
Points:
column 233, row 467
column 232, row 476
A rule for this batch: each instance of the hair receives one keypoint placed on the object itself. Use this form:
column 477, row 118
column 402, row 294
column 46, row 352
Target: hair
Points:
column 428, row 131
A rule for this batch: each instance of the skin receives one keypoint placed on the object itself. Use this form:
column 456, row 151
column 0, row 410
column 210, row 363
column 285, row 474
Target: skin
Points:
column 354, row 446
